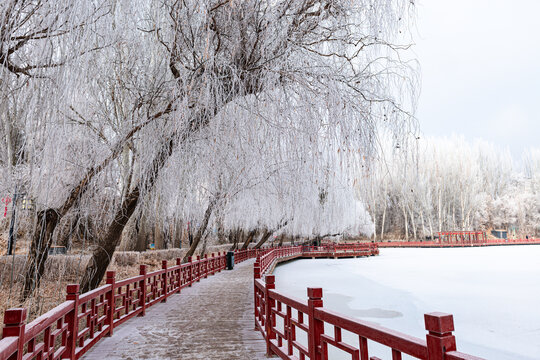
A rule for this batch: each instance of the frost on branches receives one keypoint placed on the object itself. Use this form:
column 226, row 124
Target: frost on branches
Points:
column 250, row 117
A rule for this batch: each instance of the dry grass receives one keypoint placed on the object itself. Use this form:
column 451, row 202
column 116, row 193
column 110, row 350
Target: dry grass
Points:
column 62, row 270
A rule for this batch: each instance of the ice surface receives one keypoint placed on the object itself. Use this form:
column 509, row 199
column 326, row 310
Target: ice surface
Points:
column 493, row 293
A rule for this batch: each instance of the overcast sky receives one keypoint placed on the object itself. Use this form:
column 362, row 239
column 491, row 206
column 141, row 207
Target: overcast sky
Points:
column 480, row 63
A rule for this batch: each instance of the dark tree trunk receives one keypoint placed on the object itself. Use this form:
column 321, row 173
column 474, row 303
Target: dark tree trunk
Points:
column 268, row 232
column 265, row 236
column 73, row 228
column 220, row 231
column 102, row 255
column 281, row 238
column 205, row 241
column 201, row 229
column 249, row 239
column 231, row 238
column 237, row 234
column 39, row 250
column 48, row 219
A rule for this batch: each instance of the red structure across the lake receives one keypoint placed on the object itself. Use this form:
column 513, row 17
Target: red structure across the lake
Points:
column 459, row 243
column 72, row 328
column 463, row 237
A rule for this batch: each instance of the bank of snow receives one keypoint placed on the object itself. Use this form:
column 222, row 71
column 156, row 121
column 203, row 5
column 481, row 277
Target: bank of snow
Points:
column 493, row 293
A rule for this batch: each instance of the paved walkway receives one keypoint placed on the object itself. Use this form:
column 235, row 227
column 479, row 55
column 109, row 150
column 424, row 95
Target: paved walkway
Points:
column 211, row 320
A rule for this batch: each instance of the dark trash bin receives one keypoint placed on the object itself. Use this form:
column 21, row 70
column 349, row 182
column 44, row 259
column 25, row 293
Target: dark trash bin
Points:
column 230, row 260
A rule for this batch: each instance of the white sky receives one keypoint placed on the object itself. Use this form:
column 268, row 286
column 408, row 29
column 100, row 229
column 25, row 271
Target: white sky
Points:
column 480, row 63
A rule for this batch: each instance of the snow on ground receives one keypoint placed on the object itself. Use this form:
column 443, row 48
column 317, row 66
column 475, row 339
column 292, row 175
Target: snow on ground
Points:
column 493, row 293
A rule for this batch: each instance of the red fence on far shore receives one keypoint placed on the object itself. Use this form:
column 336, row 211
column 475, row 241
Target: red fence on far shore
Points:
column 486, row 242
column 73, row 327
column 295, row 328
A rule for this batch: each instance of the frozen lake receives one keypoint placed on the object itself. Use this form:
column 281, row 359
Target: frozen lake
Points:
column 493, row 293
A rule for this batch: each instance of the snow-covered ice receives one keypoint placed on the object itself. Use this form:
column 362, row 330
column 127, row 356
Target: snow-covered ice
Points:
column 493, row 293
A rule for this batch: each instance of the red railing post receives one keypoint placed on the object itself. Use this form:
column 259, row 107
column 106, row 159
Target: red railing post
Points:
column 269, row 304
column 142, row 286
column 111, row 300
column 14, row 324
column 164, row 280
column 72, row 319
column 439, row 338
column 256, row 275
column 190, row 270
column 198, row 268
column 205, row 266
column 316, row 327
column 179, row 274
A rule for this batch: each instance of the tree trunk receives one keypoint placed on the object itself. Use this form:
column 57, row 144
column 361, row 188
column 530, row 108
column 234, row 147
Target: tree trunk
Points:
column 431, row 229
column 205, row 241
column 265, row 236
column 178, row 232
column 423, row 224
column 39, row 250
column 48, row 219
column 73, row 227
column 454, row 217
column 220, row 230
column 232, row 237
column 439, row 210
column 202, row 228
column 249, row 239
column 413, row 223
column 102, row 255
column 374, row 218
column 382, row 223
column 406, row 223
column 268, row 232
column 237, row 237
column 140, row 233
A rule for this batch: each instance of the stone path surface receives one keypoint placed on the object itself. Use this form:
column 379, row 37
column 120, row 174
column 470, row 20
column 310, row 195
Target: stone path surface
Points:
column 213, row 319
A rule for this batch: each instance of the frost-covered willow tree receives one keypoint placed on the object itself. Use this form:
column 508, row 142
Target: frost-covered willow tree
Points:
column 277, row 170
column 42, row 43
column 313, row 53
column 121, row 96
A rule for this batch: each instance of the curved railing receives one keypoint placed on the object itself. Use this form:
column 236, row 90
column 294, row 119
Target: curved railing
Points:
column 295, row 328
column 464, row 243
column 69, row 330
column 73, row 327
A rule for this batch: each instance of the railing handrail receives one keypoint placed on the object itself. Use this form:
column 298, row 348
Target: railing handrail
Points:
column 269, row 304
column 99, row 308
column 460, row 243
column 83, row 319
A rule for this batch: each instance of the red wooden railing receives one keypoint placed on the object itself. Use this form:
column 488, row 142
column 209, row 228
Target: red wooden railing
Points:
column 464, row 237
column 486, row 242
column 285, row 321
column 342, row 250
column 73, row 327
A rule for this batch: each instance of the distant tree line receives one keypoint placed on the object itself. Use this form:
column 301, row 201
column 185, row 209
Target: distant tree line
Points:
column 451, row 184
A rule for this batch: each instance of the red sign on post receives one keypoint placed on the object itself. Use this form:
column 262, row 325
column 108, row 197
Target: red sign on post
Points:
column 6, row 201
